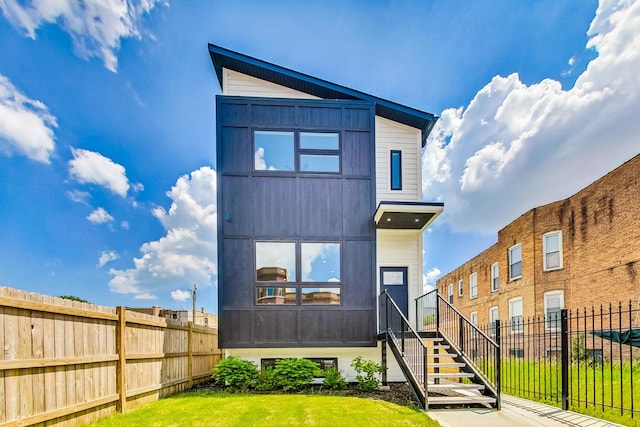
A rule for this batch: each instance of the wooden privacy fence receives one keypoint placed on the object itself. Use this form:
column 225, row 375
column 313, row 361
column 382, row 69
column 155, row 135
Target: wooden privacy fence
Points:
column 69, row 363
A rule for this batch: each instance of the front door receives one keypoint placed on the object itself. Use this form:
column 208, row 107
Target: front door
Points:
column 394, row 280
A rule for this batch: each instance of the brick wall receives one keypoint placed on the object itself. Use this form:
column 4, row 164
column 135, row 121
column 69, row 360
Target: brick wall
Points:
column 600, row 228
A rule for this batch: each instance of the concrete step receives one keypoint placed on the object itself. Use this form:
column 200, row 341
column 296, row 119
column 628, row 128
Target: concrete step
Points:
column 461, row 400
column 446, row 365
column 454, row 386
column 451, row 375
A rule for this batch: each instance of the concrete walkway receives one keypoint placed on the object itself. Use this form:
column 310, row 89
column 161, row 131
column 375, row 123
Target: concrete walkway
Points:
column 516, row 412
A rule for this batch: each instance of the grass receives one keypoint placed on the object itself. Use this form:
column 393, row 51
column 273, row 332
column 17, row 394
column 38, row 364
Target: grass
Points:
column 598, row 390
column 225, row 409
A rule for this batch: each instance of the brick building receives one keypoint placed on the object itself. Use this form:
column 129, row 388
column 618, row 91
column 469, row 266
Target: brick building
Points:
column 572, row 253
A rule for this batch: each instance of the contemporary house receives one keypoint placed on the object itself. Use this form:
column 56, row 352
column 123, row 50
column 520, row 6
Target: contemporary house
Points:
column 579, row 252
column 319, row 211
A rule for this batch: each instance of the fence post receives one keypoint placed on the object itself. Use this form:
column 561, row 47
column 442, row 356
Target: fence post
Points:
column 437, row 312
column 498, row 362
column 121, row 367
column 190, row 354
column 564, row 362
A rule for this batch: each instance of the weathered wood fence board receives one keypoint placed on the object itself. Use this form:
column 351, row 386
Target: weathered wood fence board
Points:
column 68, row 363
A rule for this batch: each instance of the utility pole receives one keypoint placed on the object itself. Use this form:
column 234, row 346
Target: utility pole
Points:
column 193, row 299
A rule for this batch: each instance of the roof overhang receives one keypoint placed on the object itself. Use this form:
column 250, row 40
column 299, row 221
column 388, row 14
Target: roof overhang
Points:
column 415, row 216
column 225, row 58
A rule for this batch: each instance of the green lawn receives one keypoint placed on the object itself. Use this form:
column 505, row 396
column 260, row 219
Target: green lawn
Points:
column 224, row 409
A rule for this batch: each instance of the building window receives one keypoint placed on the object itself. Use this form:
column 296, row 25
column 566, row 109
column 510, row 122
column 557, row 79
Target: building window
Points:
column 319, row 152
column 552, row 250
column 473, row 285
column 473, row 317
column 396, row 170
column 493, row 317
column 460, row 287
column 553, row 303
column 323, row 363
column 277, row 262
column 274, row 151
column 495, row 277
column 516, row 319
column 515, row 262
column 516, row 352
column 450, row 290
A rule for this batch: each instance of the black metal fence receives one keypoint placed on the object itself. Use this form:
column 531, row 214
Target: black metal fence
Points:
column 574, row 359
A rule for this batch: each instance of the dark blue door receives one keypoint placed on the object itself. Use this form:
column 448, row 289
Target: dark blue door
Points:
column 394, row 281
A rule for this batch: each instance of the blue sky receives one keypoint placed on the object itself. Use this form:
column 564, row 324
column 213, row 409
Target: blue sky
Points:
column 107, row 131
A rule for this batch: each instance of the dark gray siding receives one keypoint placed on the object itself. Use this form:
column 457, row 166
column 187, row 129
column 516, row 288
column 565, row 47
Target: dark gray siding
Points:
column 295, row 206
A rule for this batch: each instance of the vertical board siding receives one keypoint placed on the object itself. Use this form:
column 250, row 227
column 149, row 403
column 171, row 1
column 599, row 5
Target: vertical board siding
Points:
column 59, row 360
column 238, row 84
column 395, row 136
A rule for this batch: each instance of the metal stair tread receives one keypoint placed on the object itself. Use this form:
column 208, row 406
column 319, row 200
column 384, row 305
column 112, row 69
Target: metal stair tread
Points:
column 460, row 400
column 451, row 375
column 454, row 386
column 447, row 365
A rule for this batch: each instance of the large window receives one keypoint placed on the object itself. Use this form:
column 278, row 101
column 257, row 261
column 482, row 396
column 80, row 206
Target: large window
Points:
column 552, row 249
column 315, row 151
column 516, row 319
column 495, row 277
column 493, row 317
column 312, row 277
column 553, row 304
column 396, row 170
column 473, row 285
column 515, row 262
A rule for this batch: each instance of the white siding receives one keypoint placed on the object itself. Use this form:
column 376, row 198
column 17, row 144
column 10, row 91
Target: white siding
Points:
column 400, row 248
column 345, row 356
column 238, row 84
column 391, row 135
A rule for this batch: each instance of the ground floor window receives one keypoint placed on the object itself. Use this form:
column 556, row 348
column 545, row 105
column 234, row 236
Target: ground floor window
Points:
column 323, row 362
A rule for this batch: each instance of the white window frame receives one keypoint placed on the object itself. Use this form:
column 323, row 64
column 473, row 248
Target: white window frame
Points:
column 545, row 253
column 511, row 250
column 492, row 318
column 460, row 287
column 473, row 285
column 547, row 318
column 473, row 318
column 495, row 276
column 450, row 293
column 516, row 328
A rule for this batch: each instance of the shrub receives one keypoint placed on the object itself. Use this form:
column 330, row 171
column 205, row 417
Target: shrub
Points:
column 334, row 380
column 294, row 373
column 267, row 379
column 367, row 372
column 238, row 374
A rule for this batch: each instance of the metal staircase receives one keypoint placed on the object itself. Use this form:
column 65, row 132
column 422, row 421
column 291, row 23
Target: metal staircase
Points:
column 439, row 372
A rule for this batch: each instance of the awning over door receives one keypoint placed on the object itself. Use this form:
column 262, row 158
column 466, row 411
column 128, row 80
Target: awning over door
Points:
column 407, row 215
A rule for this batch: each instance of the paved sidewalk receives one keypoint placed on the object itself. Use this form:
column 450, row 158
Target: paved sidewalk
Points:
column 516, row 412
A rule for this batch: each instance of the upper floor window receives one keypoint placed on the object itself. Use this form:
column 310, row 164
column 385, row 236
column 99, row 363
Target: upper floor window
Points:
column 516, row 319
column 493, row 317
column 450, row 291
column 315, row 151
column 460, row 287
column 473, row 285
column 495, row 276
column 396, row 170
column 552, row 250
column 515, row 262
column 553, row 304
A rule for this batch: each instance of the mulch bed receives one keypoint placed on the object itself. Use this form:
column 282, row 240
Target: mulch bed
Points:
column 398, row 393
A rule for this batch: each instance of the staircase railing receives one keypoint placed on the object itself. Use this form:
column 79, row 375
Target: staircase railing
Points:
column 408, row 348
column 481, row 352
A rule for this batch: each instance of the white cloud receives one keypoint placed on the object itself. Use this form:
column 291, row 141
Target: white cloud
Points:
column 187, row 253
column 124, row 225
column 95, row 26
column 429, row 279
column 180, row 295
column 107, row 256
column 518, row 146
column 99, row 216
column 78, row 196
column 89, row 167
column 26, row 126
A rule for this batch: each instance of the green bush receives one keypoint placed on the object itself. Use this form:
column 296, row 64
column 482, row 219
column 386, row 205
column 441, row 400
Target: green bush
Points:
column 238, row 374
column 295, row 373
column 334, row 380
column 267, row 379
column 367, row 372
